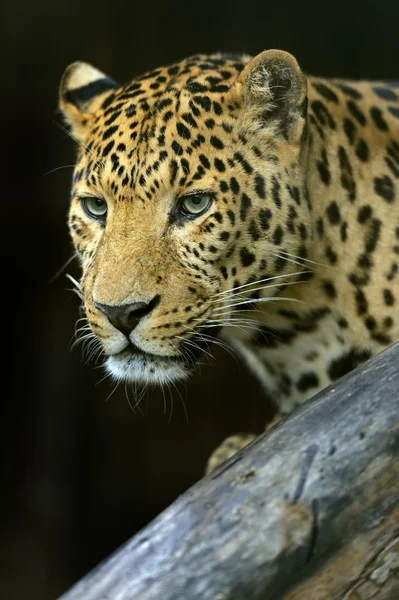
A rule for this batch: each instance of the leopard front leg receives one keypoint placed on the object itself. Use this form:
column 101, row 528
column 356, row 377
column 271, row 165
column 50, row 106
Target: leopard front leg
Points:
column 228, row 448
column 234, row 443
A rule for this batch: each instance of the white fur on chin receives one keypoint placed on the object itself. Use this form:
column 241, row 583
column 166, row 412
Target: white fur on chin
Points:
column 143, row 369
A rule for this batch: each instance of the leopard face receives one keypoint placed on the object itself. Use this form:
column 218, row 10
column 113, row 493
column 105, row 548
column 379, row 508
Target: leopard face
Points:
column 187, row 185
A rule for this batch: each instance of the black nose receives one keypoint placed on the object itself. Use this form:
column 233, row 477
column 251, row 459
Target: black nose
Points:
column 126, row 317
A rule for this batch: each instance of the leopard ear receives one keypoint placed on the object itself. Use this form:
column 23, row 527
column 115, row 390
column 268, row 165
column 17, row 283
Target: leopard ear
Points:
column 82, row 90
column 274, row 91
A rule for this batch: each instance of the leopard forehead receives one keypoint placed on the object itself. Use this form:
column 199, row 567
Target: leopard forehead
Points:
column 182, row 115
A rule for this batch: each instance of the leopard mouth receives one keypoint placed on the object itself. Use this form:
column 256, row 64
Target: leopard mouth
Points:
column 136, row 366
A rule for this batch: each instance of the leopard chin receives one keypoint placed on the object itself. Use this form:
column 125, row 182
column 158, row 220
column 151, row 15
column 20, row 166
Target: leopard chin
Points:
column 146, row 368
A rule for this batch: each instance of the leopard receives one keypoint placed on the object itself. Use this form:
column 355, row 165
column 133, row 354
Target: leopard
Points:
column 235, row 198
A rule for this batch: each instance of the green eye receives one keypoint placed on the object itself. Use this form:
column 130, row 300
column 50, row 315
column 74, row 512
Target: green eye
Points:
column 94, row 207
column 195, row 204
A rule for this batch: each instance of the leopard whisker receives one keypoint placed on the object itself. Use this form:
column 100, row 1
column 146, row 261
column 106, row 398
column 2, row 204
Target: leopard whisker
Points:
column 266, row 279
column 229, row 322
column 171, row 396
column 290, row 260
column 164, row 399
column 171, row 403
column 313, row 262
column 82, row 339
column 58, row 169
column 75, row 283
column 82, row 319
column 77, row 289
column 83, row 328
column 77, row 292
column 247, row 323
column 261, row 288
column 58, row 273
column 185, row 352
column 97, row 162
column 241, row 312
column 233, row 325
column 189, row 355
column 92, row 349
column 194, row 345
column 208, row 340
column 257, row 300
column 95, row 353
column 78, row 332
column 106, row 376
column 132, row 407
column 182, row 400
column 112, row 391
column 140, row 398
column 232, row 320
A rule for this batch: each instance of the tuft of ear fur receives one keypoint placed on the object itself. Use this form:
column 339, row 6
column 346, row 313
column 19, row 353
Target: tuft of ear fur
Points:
column 274, row 91
column 82, row 90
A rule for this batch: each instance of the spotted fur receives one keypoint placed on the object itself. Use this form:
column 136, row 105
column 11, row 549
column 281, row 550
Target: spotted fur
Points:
column 296, row 259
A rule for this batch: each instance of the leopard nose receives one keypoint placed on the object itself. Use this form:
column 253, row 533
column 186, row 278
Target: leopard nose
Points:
column 125, row 317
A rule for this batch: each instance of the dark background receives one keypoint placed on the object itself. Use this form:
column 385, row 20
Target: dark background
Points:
column 80, row 471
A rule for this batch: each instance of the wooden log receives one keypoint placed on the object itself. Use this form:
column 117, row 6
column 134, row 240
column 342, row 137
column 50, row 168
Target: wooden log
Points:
column 309, row 511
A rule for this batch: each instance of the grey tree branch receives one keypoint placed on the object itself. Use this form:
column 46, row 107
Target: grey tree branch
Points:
column 309, row 511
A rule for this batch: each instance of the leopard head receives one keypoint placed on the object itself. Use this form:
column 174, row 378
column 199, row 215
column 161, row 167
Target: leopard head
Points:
column 188, row 189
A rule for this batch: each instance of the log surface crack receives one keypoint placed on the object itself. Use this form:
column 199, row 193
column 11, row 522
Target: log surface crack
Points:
column 310, row 454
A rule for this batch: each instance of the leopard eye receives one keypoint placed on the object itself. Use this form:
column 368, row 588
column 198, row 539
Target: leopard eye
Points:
column 95, row 207
column 195, row 204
